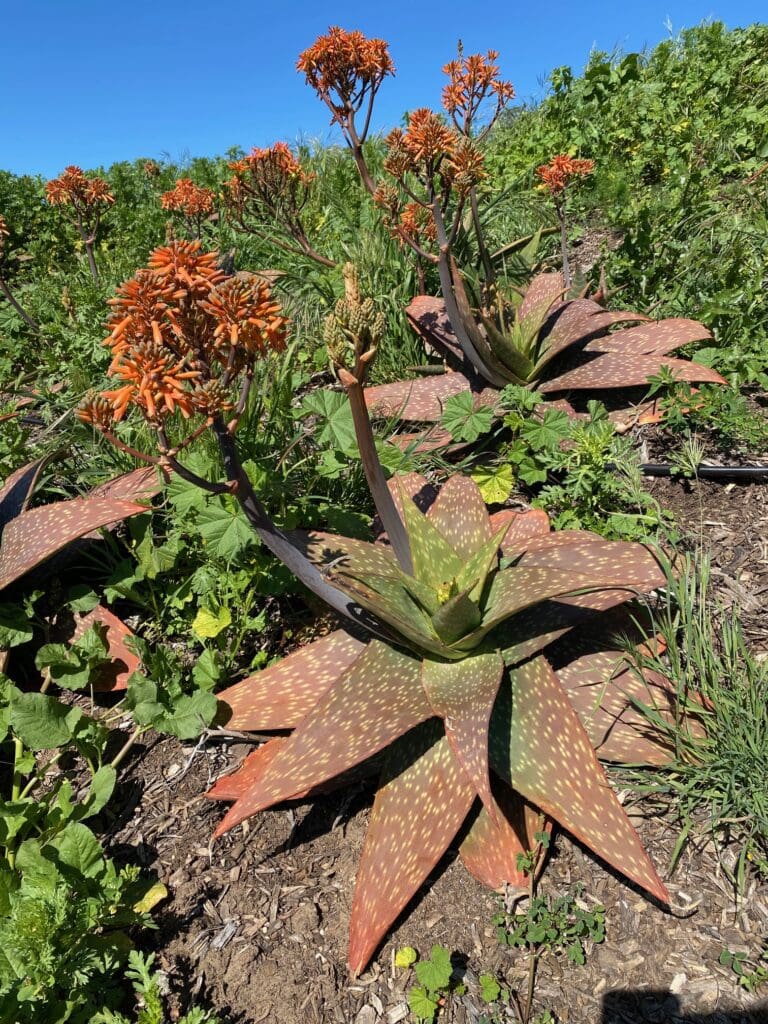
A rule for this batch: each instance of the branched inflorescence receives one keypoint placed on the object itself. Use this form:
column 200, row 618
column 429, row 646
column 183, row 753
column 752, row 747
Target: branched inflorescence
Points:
column 193, row 202
column 268, row 191
column 182, row 336
column 87, row 198
column 346, row 70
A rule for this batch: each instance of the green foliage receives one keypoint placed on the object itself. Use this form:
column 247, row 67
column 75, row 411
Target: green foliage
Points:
column 437, row 981
column 679, row 137
column 463, row 421
column 148, row 989
column 725, row 776
column 581, row 472
column 555, row 924
column 752, row 974
column 722, row 416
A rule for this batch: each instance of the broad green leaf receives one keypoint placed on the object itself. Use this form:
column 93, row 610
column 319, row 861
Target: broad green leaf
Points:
column 79, row 849
column 490, row 989
column 422, row 1004
column 15, row 627
column 463, row 421
column 102, row 787
column 335, row 428
column 547, row 432
column 208, row 624
column 191, row 714
column 207, row 669
column 406, row 956
column 495, row 483
column 435, row 974
column 42, row 722
column 224, row 529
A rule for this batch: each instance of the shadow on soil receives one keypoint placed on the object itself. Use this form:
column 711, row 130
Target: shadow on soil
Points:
column 649, row 1006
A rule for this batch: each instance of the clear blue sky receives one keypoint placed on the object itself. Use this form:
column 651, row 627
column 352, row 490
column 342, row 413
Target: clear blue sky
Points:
column 95, row 81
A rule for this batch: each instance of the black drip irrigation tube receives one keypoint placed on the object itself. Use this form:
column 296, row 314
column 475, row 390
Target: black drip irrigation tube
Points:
column 758, row 474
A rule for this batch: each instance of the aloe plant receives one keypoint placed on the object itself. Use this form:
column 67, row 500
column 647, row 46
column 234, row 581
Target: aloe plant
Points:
column 457, row 692
column 547, row 341
column 441, row 679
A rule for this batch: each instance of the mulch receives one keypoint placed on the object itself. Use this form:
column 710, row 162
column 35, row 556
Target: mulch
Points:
column 255, row 925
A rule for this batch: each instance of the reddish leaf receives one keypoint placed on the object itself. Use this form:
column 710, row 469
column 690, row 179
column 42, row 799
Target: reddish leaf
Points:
column 37, row 534
column 575, row 322
column 279, row 697
column 607, row 562
column 524, row 524
column 376, row 700
column 622, row 370
column 605, row 691
column 490, row 848
column 251, row 768
column 429, row 439
column 420, row 806
column 460, row 514
column 423, row 400
column 138, row 484
column 124, row 662
column 541, row 748
column 429, row 319
column 543, row 287
column 17, row 489
column 653, row 338
column 463, row 693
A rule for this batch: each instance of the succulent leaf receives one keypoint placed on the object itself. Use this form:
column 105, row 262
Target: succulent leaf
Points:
column 279, row 697
column 37, row 534
column 459, row 513
column 463, row 693
column 539, row 746
column 373, row 703
column 491, row 847
column 434, row 559
column 422, row 801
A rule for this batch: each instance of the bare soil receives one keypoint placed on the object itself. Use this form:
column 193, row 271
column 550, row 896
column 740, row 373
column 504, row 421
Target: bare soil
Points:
column 255, row 924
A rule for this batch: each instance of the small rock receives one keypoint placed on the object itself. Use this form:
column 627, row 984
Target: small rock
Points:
column 366, row 1015
column 397, row 1013
column 305, row 918
column 678, row 983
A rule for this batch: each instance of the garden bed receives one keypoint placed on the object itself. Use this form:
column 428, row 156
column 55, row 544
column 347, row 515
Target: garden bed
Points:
column 256, row 924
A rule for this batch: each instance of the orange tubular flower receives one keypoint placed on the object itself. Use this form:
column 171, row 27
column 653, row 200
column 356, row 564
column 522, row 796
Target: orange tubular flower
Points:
column 426, row 138
column 345, row 68
column 561, row 171
column 72, row 187
column 418, row 224
column 471, row 80
column 181, row 332
column 247, row 316
column 188, row 198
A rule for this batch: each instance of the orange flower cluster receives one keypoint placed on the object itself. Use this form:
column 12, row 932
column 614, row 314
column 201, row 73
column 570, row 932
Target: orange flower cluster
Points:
column 269, row 183
column 417, row 223
column 181, row 332
column 471, row 80
column 561, row 171
column 345, row 67
column 73, row 187
column 428, row 146
column 188, row 198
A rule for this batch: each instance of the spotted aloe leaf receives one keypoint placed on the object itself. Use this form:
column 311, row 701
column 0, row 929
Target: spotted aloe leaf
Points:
column 124, row 661
column 422, row 801
column 344, row 728
column 31, row 536
column 492, row 845
column 17, row 490
column 557, row 345
column 37, row 534
column 279, row 697
column 463, row 693
column 540, row 747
